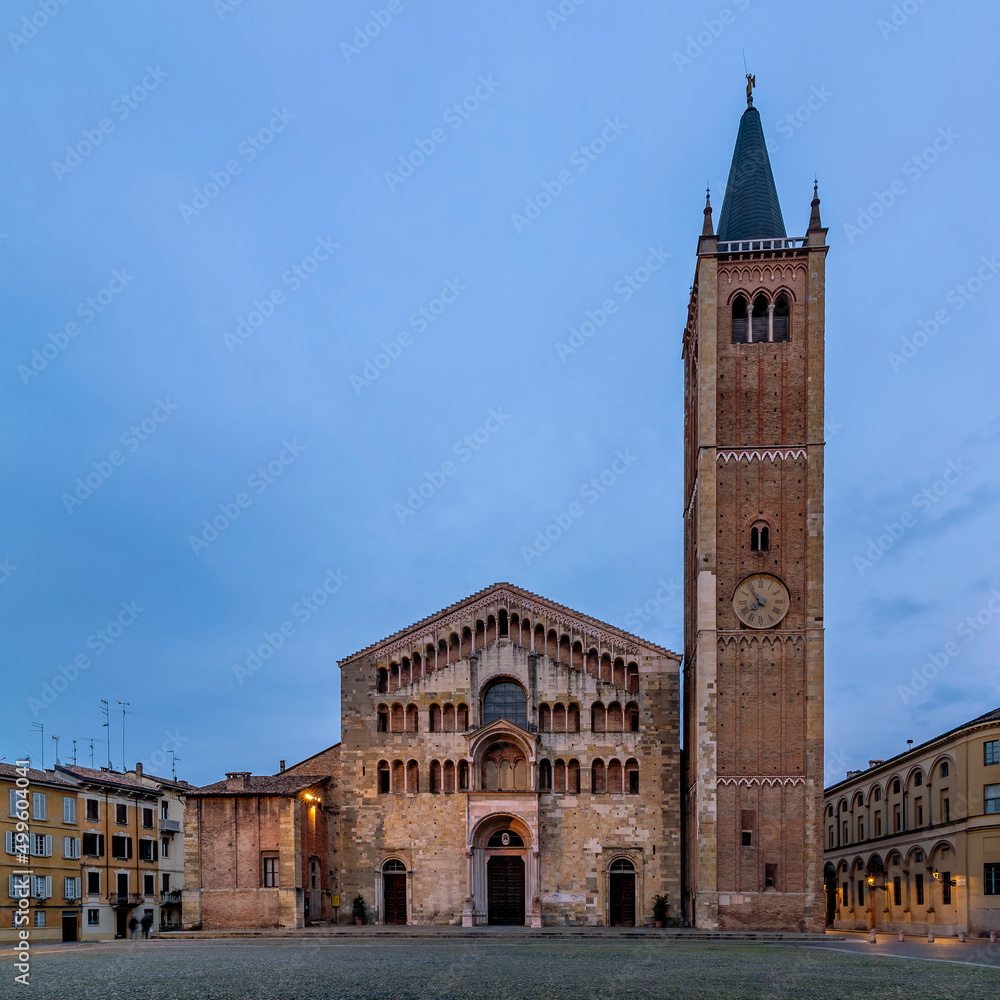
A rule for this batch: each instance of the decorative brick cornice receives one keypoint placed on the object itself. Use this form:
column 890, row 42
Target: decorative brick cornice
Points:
column 761, row 454
column 768, row 780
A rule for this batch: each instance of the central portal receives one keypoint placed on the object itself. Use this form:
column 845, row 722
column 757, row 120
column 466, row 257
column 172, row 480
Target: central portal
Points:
column 505, row 885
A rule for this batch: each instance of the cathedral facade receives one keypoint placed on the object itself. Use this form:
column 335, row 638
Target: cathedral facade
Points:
column 508, row 760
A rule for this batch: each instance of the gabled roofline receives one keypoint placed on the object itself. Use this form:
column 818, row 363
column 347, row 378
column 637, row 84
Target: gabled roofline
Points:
column 427, row 623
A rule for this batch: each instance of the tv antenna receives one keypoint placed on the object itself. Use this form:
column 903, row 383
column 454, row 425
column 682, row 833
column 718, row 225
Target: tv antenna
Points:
column 39, row 727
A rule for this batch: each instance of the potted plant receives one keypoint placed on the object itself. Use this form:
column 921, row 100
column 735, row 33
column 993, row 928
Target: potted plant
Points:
column 661, row 907
column 358, row 909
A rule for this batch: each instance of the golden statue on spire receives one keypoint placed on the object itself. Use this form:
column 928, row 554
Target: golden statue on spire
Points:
column 751, row 83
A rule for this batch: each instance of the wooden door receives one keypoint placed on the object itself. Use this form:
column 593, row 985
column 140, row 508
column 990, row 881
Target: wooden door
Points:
column 394, row 889
column 505, row 884
column 622, row 899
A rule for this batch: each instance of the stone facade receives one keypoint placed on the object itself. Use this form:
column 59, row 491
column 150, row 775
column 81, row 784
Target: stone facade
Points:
column 425, row 778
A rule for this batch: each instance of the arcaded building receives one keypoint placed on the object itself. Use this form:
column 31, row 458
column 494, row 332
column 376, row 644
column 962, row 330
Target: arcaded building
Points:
column 511, row 761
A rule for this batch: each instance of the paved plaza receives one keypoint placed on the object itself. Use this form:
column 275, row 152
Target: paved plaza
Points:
column 498, row 969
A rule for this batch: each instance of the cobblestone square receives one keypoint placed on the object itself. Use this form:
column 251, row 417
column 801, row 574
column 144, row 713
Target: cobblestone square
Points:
column 493, row 969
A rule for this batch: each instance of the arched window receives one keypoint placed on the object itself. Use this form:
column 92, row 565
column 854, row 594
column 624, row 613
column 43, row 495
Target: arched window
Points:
column 466, row 648
column 463, row 776
column 552, row 645
column 573, row 777
column 505, row 700
column 544, row 719
column 435, row 719
column 616, row 721
column 559, row 719
column 760, row 537
column 504, row 768
column 878, row 794
column 504, row 627
column 740, row 320
column 393, row 866
column 435, row 776
column 565, row 650
column 619, row 673
column 576, row 660
column 605, row 674
column 398, row 780
column 918, row 779
column 383, row 777
column 396, row 719
column 383, row 680
column 448, row 777
column 559, row 784
column 545, row 776
column 383, row 718
column 598, row 718
column 632, row 677
column 593, row 664
column 615, row 777
column 895, row 786
column 480, row 634
column 413, row 776
column 573, row 718
column 781, row 318
column 405, row 672
column 411, row 718
column 393, row 676
column 598, row 783
column 632, row 776
column 621, row 865
column 449, row 718
column 463, row 718
column 944, row 769
column 505, row 838
column 759, row 319
column 491, row 630
column 632, row 717
column 453, row 648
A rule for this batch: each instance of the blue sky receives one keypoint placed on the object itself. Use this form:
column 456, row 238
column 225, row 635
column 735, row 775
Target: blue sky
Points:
column 253, row 253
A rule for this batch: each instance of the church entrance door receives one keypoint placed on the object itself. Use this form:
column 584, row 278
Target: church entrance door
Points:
column 505, row 883
column 395, row 898
column 622, row 886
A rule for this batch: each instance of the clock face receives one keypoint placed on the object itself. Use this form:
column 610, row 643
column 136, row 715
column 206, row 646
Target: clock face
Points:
column 761, row 601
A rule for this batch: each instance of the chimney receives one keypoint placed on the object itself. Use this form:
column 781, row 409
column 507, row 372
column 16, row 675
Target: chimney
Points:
column 138, row 768
column 237, row 781
column 281, row 765
column 853, row 774
column 875, row 763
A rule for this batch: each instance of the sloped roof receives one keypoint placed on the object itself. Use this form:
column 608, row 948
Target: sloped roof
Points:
column 34, row 776
column 528, row 598
column 264, row 784
column 893, row 762
column 106, row 778
column 750, row 209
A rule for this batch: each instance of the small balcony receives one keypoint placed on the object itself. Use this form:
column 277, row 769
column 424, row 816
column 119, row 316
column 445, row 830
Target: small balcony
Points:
column 171, row 898
column 170, row 825
column 126, row 899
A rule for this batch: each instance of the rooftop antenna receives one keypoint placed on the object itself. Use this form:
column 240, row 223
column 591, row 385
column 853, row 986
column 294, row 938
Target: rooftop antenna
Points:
column 173, row 763
column 106, row 724
column 56, row 738
column 91, row 752
column 124, row 705
column 39, row 727
column 909, row 743
column 74, row 753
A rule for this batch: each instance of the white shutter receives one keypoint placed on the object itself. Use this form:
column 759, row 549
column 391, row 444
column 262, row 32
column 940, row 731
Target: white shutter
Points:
column 68, row 847
column 48, row 845
column 48, row 886
column 38, row 809
column 69, row 810
column 10, row 887
column 13, row 802
column 10, row 842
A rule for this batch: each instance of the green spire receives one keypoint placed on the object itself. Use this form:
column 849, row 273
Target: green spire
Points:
column 750, row 209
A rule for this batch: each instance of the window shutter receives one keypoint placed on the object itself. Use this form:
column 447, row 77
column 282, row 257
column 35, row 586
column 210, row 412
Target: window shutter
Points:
column 128, row 847
column 13, row 802
column 10, row 886
column 67, row 847
column 156, row 853
column 100, row 845
column 48, row 845
column 69, row 810
column 48, row 886
column 10, row 842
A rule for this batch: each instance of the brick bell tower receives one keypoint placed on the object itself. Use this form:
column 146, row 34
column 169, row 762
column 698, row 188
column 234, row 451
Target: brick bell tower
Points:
column 753, row 559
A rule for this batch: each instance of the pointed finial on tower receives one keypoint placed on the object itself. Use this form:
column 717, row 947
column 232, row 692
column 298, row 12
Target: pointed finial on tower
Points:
column 706, row 230
column 751, row 83
column 814, row 222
